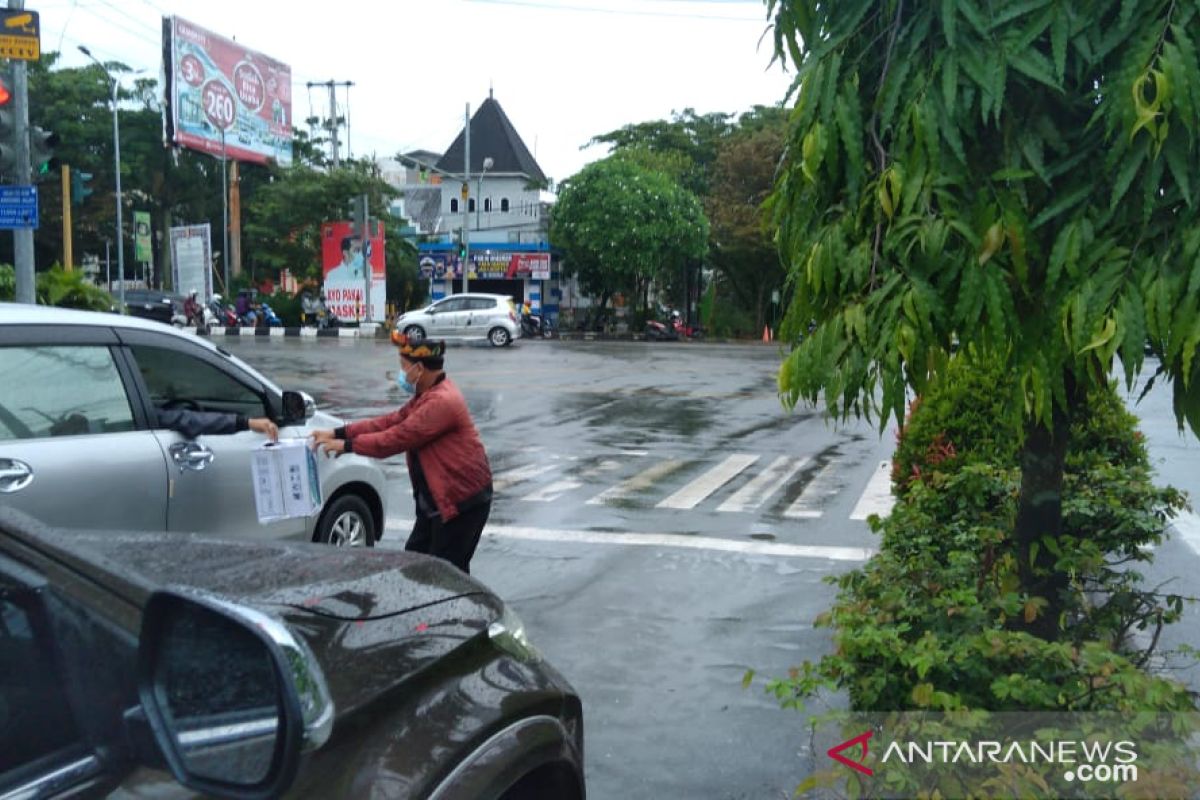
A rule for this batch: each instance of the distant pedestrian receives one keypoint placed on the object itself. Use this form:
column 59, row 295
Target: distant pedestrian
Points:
column 451, row 477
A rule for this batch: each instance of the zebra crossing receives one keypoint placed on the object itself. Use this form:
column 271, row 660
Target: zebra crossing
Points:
column 790, row 487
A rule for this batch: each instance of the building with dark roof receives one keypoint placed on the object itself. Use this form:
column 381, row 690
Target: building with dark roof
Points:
column 502, row 209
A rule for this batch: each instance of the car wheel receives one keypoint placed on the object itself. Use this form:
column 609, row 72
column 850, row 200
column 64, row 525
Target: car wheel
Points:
column 499, row 337
column 415, row 333
column 347, row 522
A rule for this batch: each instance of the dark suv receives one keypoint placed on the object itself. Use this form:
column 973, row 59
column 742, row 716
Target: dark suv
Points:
column 149, row 304
column 131, row 663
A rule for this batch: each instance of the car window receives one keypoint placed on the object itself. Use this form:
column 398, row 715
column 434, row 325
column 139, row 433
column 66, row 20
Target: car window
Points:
column 38, row 723
column 480, row 303
column 453, row 304
column 61, row 391
column 177, row 380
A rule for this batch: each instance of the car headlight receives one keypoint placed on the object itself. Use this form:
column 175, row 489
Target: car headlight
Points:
column 508, row 633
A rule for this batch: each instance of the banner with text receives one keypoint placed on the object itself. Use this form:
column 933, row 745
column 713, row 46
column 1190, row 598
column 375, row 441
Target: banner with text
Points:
column 217, row 89
column 344, row 271
column 191, row 259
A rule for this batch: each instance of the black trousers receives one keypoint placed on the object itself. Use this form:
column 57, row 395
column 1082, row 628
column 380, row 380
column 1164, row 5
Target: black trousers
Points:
column 454, row 541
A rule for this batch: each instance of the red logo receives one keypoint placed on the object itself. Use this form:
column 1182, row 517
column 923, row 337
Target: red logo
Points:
column 835, row 753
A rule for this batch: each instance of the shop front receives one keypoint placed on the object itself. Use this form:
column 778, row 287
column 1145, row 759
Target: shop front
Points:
column 525, row 272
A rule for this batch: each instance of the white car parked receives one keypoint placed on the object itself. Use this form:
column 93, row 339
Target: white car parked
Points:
column 465, row 316
column 80, row 445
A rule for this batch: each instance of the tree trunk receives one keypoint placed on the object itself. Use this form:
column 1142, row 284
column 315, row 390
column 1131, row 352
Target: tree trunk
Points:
column 1040, row 515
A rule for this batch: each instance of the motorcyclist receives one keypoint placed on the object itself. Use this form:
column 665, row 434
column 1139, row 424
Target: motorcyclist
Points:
column 192, row 310
column 310, row 308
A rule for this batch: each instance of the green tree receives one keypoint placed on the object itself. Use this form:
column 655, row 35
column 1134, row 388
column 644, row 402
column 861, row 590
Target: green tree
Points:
column 1020, row 175
column 741, row 246
column 283, row 217
column 622, row 226
column 694, row 138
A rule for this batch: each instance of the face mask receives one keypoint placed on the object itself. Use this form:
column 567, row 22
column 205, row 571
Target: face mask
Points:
column 404, row 383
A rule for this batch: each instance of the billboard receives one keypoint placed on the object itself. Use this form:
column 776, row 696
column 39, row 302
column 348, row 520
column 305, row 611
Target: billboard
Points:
column 218, row 88
column 345, row 281
column 191, row 259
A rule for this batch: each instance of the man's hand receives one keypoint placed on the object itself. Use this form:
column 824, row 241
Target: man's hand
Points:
column 264, row 426
column 331, row 446
column 318, row 438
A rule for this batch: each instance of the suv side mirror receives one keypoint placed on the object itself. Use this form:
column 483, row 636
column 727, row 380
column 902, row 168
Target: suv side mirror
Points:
column 298, row 406
column 232, row 697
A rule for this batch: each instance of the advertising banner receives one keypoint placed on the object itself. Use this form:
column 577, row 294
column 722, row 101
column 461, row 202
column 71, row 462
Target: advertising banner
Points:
column 143, row 249
column 191, row 259
column 345, row 279
column 437, row 266
column 218, row 88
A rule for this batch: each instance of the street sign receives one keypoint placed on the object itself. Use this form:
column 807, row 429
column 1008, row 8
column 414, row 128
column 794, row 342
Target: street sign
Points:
column 20, row 34
column 18, row 207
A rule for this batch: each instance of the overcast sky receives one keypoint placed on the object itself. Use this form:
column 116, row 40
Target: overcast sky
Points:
column 563, row 70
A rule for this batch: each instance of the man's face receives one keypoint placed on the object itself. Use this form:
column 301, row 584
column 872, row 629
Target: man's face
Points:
column 351, row 255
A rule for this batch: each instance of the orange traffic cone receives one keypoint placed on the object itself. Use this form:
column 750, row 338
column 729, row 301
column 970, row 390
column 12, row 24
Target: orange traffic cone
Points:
column 766, row 334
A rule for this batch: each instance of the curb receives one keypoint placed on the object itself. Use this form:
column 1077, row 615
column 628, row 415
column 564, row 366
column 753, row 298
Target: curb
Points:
column 364, row 331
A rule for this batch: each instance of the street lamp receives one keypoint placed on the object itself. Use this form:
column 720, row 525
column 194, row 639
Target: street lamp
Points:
column 487, row 164
column 117, row 158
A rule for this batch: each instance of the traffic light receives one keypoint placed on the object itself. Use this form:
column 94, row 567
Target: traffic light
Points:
column 8, row 130
column 358, row 213
column 79, row 186
column 462, row 248
column 41, row 151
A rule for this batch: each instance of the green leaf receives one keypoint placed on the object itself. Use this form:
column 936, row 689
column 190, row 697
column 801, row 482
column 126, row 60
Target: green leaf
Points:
column 1035, row 65
column 1059, row 30
column 748, row 679
column 950, row 81
column 1178, row 162
column 949, row 23
column 1065, row 203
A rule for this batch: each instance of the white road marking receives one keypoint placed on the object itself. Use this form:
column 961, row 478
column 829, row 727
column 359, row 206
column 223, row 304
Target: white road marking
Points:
column 668, row 540
column 691, row 495
column 1187, row 526
column 820, row 489
column 877, row 497
column 514, row 476
column 765, row 484
column 552, row 491
column 638, row 483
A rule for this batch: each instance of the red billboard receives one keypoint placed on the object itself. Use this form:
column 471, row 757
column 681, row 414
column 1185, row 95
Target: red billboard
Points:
column 218, row 89
column 342, row 258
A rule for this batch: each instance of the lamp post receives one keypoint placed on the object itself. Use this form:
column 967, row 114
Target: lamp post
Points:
column 117, row 159
column 487, row 164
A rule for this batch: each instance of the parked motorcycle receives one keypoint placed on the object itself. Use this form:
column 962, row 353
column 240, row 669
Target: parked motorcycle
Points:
column 268, row 317
column 684, row 330
column 222, row 313
column 661, row 332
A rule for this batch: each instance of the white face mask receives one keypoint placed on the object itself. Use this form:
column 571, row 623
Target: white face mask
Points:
column 404, row 383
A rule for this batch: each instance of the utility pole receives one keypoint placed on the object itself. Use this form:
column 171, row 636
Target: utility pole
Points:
column 466, row 222
column 334, row 122
column 66, row 217
column 22, row 237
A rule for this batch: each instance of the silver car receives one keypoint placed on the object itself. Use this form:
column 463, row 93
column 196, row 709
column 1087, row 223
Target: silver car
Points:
column 80, row 446
column 465, row 316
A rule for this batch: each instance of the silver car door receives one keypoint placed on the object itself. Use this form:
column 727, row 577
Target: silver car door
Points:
column 71, row 452
column 448, row 320
column 211, row 490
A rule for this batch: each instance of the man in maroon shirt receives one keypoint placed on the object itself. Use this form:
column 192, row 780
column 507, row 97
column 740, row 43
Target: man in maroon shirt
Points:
column 451, row 478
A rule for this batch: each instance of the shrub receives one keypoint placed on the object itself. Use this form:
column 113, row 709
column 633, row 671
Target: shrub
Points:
column 929, row 622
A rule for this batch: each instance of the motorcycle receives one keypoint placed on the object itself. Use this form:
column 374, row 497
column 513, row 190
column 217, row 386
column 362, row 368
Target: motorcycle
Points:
column 661, row 332
column 222, row 314
column 536, row 326
column 268, row 317
column 314, row 312
column 683, row 330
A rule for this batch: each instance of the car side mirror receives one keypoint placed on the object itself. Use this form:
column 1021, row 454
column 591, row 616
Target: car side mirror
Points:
column 231, row 696
column 298, row 406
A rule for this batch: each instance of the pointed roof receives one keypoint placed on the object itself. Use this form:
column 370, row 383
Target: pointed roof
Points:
column 494, row 137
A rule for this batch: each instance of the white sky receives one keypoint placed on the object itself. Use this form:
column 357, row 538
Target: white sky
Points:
column 563, row 70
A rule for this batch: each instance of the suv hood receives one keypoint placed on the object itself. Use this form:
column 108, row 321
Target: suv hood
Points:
column 373, row 619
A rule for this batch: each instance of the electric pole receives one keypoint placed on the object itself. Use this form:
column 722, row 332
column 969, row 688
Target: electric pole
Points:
column 334, row 123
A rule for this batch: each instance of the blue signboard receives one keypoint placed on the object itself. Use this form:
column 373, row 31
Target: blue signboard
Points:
column 18, row 207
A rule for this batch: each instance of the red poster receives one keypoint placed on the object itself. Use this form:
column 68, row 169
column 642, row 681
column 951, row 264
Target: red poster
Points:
column 342, row 261
column 219, row 87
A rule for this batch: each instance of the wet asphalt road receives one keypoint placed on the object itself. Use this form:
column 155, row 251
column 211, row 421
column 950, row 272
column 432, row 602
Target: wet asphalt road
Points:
column 661, row 523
